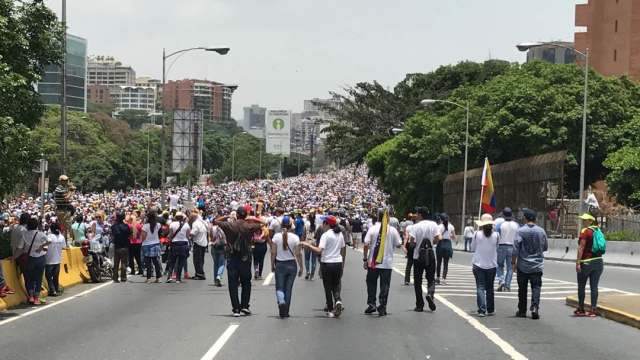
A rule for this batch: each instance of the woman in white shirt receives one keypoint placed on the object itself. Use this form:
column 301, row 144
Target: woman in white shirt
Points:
column 333, row 251
column 54, row 257
column 485, row 261
column 179, row 233
column 286, row 261
column 151, row 246
column 444, row 249
column 35, row 244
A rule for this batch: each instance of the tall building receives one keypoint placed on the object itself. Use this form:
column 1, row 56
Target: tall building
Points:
column 106, row 70
column 99, row 94
column 210, row 97
column 612, row 32
column 140, row 98
column 553, row 54
column 320, row 105
column 50, row 87
column 254, row 117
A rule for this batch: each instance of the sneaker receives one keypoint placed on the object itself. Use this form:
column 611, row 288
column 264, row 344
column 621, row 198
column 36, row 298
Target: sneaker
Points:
column 169, row 281
column 437, row 281
column 235, row 313
column 370, row 310
column 174, row 276
column 282, row 308
column 31, row 300
column 500, row 288
column 157, row 280
column 382, row 311
column 491, row 313
column 148, row 281
column 591, row 314
column 245, row 311
column 444, row 281
column 481, row 314
column 330, row 315
column 432, row 304
column 306, row 277
column 178, row 281
column 311, row 277
column 535, row 315
column 507, row 289
column 218, row 283
column 255, row 277
column 52, row 294
column 521, row 314
column 116, row 281
column 406, row 283
column 579, row 313
column 339, row 308
column 186, row 275
column 418, row 309
column 36, row 301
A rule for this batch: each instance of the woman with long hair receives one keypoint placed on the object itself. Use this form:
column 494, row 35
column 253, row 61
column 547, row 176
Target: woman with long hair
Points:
column 286, row 260
column 485, row 262
column 179, row 237
column 332, row 250
column 151, row 245
column 135, row 244
column 444, row 249
column 35, row 245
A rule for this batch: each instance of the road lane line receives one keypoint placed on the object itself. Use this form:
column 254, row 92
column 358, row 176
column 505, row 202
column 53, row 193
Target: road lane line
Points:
column 490, row 334
column 217, row 346
column 267, row 280
column 35, row 311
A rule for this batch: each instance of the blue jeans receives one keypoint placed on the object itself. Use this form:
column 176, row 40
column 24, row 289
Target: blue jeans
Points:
column 504, row 255
column 35, row 271
column 285, row 276
column 218, row 263
column 467, row 243
column 484, row 289
column 310, row 260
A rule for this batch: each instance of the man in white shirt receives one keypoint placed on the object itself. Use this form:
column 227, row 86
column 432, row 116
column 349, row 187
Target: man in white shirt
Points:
column 199, row 237
column 377, row 269
column 508, row 232
column 173, row 201
column 426, row 235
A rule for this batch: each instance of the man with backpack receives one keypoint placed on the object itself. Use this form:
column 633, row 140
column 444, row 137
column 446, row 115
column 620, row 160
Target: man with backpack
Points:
column 426, row 234
column 589, row 263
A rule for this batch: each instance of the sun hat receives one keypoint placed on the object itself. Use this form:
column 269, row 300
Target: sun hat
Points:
column 485, row 219
column 587, row 216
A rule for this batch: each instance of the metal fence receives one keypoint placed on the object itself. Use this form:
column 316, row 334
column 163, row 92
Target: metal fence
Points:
column 535, row 182
column 630, row 223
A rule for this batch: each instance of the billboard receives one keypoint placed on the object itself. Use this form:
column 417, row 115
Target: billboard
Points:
column 186, row 139
column 278, row 132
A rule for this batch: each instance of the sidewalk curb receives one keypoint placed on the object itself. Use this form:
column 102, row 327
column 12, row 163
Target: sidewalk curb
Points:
column 609, row 313
column 554, row 258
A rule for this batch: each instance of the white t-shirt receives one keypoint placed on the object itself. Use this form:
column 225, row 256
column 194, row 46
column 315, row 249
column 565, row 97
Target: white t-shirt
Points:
column 152, row 238
column 331, row 245
column 199, row 233
column 446, row 233
column 392, row 241
column 508, row 232
column 425, row 229
column 182, row 235
column 54, row 253
column 37, row 240
column 468, row 232
column 485, row 250
column 173, row 201
column 283, row 254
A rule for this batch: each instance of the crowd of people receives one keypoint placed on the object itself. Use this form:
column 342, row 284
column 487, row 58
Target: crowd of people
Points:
column 306, row 222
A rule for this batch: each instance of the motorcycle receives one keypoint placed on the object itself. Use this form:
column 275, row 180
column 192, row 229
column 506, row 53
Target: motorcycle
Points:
column 98, row 263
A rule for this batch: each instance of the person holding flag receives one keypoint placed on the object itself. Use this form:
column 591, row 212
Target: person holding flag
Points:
column 382, row 238
column 488, row 196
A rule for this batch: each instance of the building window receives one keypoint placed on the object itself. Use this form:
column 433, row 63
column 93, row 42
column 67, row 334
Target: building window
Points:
column 616, row 26
column 615, row 55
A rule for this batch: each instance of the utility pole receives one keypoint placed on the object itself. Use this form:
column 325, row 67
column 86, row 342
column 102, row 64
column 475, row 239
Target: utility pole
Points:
column 63, row 92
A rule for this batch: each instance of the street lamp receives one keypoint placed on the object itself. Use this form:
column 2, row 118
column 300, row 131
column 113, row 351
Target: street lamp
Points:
column 427, row 102
column 219, row 50
column 233, row 155
column 528, row 46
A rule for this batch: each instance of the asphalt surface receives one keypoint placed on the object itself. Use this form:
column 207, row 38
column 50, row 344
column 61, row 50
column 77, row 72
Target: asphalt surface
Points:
column 134, row 320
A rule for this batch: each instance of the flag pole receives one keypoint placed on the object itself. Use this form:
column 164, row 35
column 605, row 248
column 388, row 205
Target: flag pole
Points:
column 484, row 173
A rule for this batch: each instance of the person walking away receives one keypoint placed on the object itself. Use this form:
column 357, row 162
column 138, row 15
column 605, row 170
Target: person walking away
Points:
column 589, row 264
column 508, row 232
column 286, row 261
column 120, row 232
column 485, row 253
column 179, row 235
column 310, row 258
column 332, row 249
column 35, row 247
column 151, row 246
column 199, row 236
column 468, row 235
column 259, row 251
column 79, row 230
column 409, row 247
column 356, row 229
column 239, row 235
column 425, row 233
column 528, row 259
column 218, row 242
column 378, row 263
column 57, row 243
column 444, row 249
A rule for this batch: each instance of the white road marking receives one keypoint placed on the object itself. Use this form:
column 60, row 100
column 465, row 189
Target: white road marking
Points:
column 52, row 304
column 217, row 346
column 267, row 280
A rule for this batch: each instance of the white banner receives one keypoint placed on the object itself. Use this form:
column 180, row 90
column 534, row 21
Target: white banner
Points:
column 278, row 132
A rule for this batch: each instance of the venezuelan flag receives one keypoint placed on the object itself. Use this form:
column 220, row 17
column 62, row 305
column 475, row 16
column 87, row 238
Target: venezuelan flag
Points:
column 379, row 246
column 488, row 201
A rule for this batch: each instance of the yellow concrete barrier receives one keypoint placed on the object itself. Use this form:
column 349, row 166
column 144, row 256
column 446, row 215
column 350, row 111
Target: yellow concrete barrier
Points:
column 70, row 268
column 14, row 280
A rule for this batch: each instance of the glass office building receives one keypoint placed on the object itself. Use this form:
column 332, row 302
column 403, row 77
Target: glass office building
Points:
column 50, row 85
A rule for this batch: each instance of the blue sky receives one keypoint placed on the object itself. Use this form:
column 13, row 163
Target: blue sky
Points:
column 285, row 51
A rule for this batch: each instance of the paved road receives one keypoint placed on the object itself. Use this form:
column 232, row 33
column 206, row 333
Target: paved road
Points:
column 192, row 321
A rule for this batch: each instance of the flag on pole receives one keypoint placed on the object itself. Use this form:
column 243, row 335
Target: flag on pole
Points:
column 379, row 246
column 488, row 200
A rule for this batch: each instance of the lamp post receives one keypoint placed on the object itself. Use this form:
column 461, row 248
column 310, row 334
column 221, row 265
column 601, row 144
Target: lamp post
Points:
column 466, row 152
column 233, row 155
column 63, row 90
column 163, row 182
column 528, row 46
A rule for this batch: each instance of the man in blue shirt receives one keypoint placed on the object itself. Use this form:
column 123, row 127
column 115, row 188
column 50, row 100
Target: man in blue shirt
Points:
column 528, row 258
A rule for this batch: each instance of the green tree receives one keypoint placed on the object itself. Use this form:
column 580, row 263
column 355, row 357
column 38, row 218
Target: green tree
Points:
column 135, row 118
column 217, row 147
column 17, row 154
column 624, row 176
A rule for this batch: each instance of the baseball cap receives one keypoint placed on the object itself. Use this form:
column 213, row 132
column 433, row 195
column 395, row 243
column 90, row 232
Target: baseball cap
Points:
column 529, row 214
column 286, row 221
column 331, row 220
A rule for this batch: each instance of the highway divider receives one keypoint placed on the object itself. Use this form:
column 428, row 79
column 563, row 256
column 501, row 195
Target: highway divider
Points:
column 73, row 271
